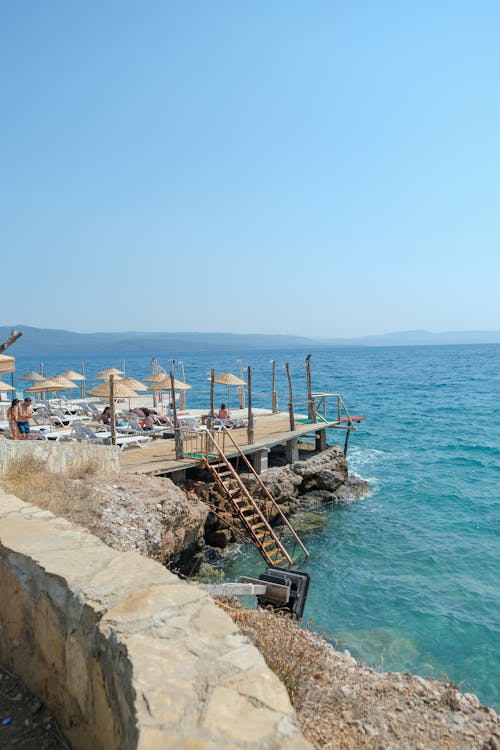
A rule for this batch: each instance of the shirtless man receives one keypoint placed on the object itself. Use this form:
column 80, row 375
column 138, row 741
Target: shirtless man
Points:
column 24, row 414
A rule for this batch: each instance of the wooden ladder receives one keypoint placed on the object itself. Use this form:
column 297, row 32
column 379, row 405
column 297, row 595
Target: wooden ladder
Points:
column 251, row 516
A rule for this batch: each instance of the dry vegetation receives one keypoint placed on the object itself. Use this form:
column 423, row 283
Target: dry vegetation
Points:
column 343, row 705
column 62, row 494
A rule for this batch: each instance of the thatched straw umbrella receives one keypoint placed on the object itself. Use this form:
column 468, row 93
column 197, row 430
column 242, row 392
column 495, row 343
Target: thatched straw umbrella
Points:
column 46, row 386
column 162, row 382
column 73, row 375
column 33, row 376
column 7, row 363
column 136, row 385
column 121, row 390
column 104, row 374
column 6, row 386
column 227, row 378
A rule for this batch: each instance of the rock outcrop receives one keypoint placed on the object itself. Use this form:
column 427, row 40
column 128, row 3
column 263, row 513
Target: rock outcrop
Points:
column 150, row 515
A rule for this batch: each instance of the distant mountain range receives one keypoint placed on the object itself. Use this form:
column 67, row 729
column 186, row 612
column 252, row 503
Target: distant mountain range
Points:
column 50, row 342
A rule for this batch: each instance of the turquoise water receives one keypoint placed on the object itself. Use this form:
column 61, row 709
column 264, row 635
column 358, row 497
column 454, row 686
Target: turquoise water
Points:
column 408, row 577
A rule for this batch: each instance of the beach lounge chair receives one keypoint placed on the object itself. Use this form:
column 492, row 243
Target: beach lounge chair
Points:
column 85, row 432
column 58, row 417
column 189, row 422
column 134, row 427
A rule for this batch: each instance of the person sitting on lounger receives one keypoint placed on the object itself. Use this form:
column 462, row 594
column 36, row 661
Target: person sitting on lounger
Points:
column 150, row 418
column 223, row 413
column 105, row 417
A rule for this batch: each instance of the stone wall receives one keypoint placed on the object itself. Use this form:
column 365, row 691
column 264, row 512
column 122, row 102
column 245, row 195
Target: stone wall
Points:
column 123, row 653
column 61, row 457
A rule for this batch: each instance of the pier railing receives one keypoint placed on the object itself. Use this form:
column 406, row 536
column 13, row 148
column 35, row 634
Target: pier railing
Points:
column 326, row 408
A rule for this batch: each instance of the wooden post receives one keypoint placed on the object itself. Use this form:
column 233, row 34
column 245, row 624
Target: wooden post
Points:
column 179, row 447
column 153, row 372
column 250, row 413
column 44, row 395
column 346, row 441
column 311, row 413
column 290, row 399
column 212, row 388
column 241, row 388
column 182, row 396
column 112, row 408
column 274, row 395
column 82, row 384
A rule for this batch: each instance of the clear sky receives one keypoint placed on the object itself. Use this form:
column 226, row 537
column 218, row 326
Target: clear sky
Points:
column 315, row 168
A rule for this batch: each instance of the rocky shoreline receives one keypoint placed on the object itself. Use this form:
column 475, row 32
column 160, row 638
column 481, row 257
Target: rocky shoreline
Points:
column 354, row 706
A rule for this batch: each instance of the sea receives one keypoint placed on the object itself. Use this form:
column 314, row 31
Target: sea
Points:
column 407, row 578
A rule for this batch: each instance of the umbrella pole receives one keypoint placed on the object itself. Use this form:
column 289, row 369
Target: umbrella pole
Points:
column 153, row 372
column 112, row 408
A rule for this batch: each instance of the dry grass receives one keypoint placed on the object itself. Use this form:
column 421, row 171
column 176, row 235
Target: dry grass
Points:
column 297, row 656
column 342, row 705
column 62, row 494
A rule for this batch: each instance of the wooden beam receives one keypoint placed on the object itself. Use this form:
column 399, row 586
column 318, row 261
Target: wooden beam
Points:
column 14, row 335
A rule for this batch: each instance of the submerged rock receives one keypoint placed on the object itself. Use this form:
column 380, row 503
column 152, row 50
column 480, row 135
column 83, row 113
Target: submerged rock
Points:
column 307, row 522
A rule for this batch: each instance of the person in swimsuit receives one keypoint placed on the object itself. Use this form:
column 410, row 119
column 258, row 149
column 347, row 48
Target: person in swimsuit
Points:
column 24, row 414
column 12, row 413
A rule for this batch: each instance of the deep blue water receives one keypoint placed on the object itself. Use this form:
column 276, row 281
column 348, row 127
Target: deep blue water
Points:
column 407, row 578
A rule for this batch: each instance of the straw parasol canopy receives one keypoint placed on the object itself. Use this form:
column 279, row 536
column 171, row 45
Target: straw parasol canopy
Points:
column 6, row 386
column 104, row 375
column 227, row 378
column 33, row 376
column 136, row 385
column 7, row 364
column 165, row 384
column 121, row 390
column 155, row 377
column 72, row 375
column 68, row 385
column 45, row 386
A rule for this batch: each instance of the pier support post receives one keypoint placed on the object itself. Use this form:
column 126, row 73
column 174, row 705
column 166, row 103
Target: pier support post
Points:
column 321, row 440
column 250, row 430
column 261, row 460
column 292, row 451
column 290, row 399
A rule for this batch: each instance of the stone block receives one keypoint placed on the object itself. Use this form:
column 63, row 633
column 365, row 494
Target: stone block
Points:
column 234, row 717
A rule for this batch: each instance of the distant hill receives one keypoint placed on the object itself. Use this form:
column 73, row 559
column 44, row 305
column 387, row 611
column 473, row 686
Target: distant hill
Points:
column 51, row 342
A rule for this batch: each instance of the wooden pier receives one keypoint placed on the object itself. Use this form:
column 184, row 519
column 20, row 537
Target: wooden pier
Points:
column 270, row 430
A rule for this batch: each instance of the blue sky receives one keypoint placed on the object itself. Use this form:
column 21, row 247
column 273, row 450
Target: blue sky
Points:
column 323, row 168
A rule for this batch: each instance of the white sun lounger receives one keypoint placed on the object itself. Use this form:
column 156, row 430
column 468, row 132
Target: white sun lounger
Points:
column 84, row 432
